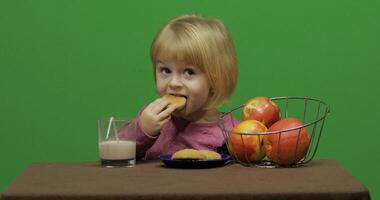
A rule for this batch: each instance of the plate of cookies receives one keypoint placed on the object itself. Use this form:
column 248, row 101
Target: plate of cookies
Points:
column 192, row 158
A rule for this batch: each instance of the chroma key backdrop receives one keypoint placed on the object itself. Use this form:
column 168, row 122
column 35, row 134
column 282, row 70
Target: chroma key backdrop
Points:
column 65, row 64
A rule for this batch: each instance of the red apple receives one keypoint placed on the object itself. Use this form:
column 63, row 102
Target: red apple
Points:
column 262, row 109
column 287, row 147
column 245, row 143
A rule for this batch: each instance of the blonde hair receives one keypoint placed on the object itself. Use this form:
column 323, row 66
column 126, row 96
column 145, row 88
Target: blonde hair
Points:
column 205, row 43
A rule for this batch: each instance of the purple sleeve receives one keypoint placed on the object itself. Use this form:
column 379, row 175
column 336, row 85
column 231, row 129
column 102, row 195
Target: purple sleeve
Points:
column 143, row 140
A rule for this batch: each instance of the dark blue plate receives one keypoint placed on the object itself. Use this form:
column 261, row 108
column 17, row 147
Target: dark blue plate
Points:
column 198, row 164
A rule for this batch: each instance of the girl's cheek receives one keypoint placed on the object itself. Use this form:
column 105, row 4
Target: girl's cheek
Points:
column 160, row 87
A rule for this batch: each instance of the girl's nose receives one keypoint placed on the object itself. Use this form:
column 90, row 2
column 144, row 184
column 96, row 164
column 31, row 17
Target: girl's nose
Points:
column 175, row 82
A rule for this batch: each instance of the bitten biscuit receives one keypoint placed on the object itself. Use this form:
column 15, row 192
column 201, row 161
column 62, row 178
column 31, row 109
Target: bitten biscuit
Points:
column 211, row 155
column 189, row 154
column 180, row 102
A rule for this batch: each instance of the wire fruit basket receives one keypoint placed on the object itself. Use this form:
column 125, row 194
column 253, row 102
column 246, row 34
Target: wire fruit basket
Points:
column 288, row 147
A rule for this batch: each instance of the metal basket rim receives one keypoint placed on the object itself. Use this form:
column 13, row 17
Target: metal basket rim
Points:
column 327, row 112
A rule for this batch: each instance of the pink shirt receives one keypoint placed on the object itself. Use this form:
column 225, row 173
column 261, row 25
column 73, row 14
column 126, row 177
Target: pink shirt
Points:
column 178, row 134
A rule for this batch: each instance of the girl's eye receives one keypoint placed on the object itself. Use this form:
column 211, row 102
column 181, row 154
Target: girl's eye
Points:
column 189, row 72
column 164, row 70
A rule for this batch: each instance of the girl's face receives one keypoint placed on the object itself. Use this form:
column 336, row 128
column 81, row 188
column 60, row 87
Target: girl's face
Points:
column 180, row 79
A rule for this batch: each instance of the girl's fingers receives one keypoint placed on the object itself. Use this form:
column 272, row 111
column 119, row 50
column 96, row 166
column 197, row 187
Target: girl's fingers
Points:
column 165, row 121
column 158, row 105
column 167, row 112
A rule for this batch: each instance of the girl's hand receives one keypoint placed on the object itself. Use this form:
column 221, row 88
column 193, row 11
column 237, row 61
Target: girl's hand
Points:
column 155, row 115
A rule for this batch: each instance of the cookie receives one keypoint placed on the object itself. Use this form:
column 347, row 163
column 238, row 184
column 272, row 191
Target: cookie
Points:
column 188, row 154
column 211, row 155
column 180, row 102
column 193, row 154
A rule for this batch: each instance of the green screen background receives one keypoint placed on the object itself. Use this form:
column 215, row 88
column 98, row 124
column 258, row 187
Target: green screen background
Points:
column 65, row 64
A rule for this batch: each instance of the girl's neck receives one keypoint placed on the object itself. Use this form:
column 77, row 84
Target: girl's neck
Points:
column 204, row 116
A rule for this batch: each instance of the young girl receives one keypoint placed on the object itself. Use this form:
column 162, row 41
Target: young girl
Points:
column 193, row 57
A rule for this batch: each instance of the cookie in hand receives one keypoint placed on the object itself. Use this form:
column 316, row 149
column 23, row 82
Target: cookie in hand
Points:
column 180, row 102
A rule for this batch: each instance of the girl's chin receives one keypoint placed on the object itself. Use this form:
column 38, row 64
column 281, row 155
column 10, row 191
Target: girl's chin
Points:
column 180, row 113
column 183, row 113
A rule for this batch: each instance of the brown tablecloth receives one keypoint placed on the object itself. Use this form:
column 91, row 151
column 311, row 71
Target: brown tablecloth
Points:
column 151, row 180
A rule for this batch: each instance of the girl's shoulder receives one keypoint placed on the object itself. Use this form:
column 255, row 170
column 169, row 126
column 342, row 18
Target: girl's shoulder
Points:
column 227, row 121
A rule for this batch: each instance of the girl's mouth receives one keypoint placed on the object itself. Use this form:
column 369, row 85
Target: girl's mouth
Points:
column 179, row 95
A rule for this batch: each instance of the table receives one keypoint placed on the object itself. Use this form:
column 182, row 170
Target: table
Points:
column 321, row 179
